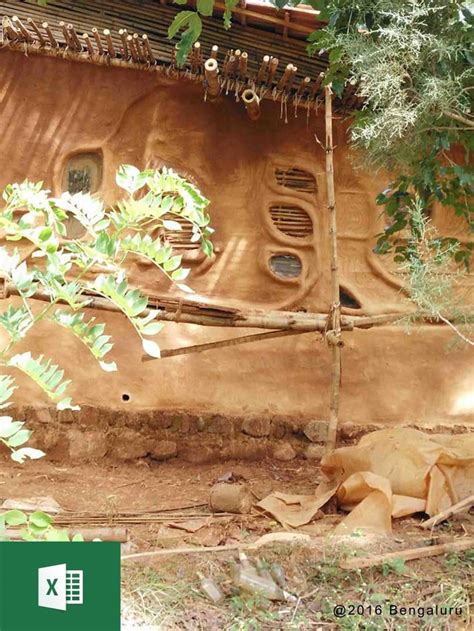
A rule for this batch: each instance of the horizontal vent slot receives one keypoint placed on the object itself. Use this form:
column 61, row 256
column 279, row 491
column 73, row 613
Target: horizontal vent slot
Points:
column 291, row 220
column 296, row 179
column 181, row 239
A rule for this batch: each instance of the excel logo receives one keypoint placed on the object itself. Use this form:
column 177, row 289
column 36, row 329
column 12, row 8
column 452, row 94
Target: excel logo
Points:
column 59, row 587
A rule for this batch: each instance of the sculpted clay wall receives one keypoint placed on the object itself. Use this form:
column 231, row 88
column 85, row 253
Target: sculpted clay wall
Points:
column 53, row 110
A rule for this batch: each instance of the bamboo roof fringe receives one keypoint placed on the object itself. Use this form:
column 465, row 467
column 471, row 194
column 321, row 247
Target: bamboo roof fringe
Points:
column 246, row 75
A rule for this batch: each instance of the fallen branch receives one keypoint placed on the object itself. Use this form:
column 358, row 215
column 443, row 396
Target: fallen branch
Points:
column 408, row 555
column 463, row 505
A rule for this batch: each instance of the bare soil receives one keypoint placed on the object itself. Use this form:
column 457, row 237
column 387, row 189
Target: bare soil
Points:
column 164, row 592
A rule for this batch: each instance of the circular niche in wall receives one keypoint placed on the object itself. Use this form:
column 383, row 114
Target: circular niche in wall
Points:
column 285, row 265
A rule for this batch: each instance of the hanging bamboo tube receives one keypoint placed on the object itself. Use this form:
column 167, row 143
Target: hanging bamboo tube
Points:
column 131, row 48
column 273, row 68
column 90, row 48
column 252, row 104
column 214, row 51
column 136, row 45
column 49, row 33
column 317, row 85
column 67, row 39
column 74, row 38
column 147, row 49
column 35, row 28
column 18, row 24
column 95, row 34
column 110, row 44
column 211, row 71
column 334, row 318
column 243, row 63
column 123, row 36
column 281, row 85
column 263, row 69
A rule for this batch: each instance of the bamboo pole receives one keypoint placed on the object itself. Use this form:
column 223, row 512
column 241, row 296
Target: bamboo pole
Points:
column 334, row 319
column 211, row 71
column 463, row 505
column 123, row 36
column 18, row 24
column 87, row 39
column 458, row 545
column 108, row 40
column 39, row 34
column 235, row 341
column 252, row 103
column 98, row 41
column 52, row 39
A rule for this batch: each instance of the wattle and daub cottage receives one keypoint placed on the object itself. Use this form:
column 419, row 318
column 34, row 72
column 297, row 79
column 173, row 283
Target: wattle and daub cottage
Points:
column 88, row 86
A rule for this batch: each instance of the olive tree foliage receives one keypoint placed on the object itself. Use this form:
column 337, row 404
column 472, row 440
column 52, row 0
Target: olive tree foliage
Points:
column 412, row 61
column 69, row 272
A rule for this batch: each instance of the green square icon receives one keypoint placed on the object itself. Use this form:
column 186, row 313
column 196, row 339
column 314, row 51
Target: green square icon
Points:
column 59, row 586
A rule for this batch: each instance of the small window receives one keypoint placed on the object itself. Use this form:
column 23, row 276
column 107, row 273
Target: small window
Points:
column 348, row 300
column 291, row 220
column 181, row 239
column 296, row 179
column 285, row 265
column 83, row 173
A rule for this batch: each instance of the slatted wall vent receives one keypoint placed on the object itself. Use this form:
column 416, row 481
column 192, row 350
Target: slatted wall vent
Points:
column 296, row 179
column 291, row 220
column 181, row 239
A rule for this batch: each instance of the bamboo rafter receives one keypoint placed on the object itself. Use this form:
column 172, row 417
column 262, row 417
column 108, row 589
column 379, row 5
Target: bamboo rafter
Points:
column 237, row 70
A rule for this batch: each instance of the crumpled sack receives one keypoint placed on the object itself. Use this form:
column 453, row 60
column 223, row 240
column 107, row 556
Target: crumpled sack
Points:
column 398, row 472
column 391, row 473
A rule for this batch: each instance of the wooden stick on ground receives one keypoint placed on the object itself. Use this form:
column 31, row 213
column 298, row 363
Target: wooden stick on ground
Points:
column 463, row 505
column 408, row 555
column 334, row 319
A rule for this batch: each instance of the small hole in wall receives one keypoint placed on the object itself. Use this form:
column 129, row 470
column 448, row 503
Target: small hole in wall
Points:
column 348, row 300
column 125, row 397
column 285, row 265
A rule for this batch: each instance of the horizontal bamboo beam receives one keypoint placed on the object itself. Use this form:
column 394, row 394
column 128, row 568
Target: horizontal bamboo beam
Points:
column 234, row 341
column 188, row 312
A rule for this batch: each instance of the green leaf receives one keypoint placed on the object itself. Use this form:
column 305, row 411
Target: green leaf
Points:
column 15, row 518
column 205, row 7
column 20, row 455
column 180, row 21
column 8, row 426
column 151, row 348
column 20, row 438
column 40, row 519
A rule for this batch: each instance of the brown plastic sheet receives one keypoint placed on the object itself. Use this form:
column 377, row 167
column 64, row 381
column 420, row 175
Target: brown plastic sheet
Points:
column 390, row 473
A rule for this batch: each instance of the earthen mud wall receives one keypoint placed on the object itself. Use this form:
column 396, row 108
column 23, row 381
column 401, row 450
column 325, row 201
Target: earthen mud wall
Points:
column 54, row 111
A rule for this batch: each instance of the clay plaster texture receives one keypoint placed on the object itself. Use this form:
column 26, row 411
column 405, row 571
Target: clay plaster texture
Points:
column 53, row 109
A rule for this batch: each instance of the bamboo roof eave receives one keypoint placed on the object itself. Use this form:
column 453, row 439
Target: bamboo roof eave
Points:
column 79, row 39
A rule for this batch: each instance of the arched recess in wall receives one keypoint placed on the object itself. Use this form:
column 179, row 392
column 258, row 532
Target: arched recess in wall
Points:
column 82, row 173
column 347, row 299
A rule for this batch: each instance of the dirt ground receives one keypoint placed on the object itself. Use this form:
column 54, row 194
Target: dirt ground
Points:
column 165, row 506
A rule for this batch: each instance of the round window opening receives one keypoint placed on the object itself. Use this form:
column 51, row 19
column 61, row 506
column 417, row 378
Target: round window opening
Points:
column 286, row 265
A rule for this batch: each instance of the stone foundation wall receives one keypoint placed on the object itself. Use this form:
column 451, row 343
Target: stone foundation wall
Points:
column 96, row 433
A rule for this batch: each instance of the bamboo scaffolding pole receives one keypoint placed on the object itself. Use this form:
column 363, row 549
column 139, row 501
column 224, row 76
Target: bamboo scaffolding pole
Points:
column 263, row 69
column 235, row 341
column 67, row 39
column 74, row 38
column 334, row 319
column 138, row 50
column 38, row 33
column 317, row 86
column 214, row 51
